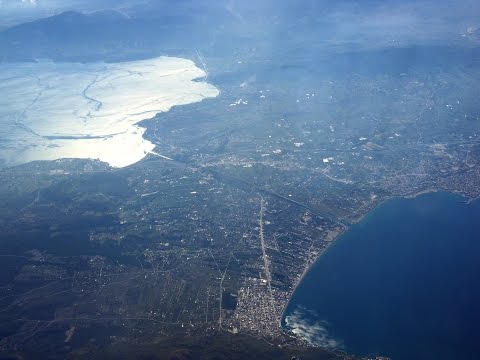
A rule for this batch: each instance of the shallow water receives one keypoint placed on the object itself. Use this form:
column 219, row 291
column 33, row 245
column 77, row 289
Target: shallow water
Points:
column 71, row 110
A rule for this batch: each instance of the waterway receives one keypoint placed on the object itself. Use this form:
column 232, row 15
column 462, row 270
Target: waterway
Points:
column 404, row 283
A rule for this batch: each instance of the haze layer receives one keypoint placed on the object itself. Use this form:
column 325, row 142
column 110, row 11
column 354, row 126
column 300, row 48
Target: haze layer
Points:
column 71, row 110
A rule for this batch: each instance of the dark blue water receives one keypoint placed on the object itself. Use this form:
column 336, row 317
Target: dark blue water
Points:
column 405, row 282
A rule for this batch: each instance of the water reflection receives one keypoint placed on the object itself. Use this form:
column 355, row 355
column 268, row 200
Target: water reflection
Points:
column 71, row 110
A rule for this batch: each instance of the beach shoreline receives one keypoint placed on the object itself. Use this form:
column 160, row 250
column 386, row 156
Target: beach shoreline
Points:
column 308, row 267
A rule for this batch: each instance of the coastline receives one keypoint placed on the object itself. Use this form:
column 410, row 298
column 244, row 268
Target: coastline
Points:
column 308, row 267
column 104, row 123
column 435, row 235
column 305, row 272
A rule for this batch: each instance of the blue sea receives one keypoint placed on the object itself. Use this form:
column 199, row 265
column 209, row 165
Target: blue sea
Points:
column 403, row 283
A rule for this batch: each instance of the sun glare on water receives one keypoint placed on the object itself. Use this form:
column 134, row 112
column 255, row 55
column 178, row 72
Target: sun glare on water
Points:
column 70, row 110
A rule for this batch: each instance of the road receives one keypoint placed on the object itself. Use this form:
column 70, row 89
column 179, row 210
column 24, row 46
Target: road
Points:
column 266, row 262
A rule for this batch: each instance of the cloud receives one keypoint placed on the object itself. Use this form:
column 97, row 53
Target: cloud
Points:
column 307, row 325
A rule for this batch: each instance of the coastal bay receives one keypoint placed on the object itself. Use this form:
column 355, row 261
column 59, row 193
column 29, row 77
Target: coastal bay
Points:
column 54, row 110
column 396, row 283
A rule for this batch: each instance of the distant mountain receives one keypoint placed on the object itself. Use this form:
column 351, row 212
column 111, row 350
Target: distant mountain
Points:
column 101, row 35
column 66, row 27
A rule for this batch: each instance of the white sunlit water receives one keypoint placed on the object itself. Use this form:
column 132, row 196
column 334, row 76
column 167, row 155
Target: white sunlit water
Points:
column 53, row 110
